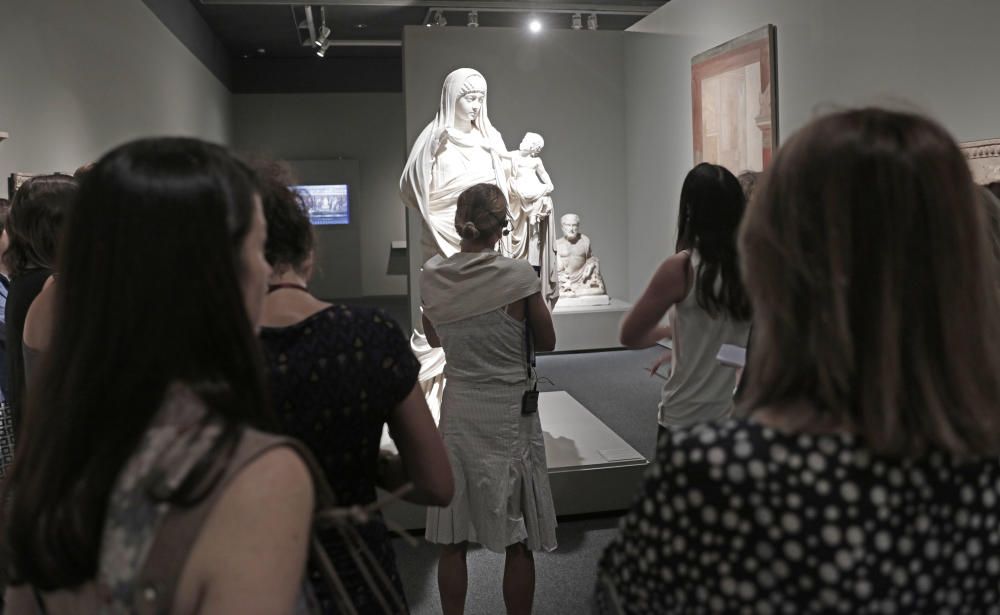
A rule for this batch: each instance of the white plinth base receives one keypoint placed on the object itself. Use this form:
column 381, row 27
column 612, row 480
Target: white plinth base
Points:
column 585, row 301
column 591, row 469
column 592, row 327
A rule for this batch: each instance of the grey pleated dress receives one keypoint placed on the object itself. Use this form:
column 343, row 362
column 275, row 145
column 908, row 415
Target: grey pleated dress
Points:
column 502, row 493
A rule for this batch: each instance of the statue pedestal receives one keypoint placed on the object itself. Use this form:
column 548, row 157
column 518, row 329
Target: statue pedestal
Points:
column 584, row 301
column 588, row 327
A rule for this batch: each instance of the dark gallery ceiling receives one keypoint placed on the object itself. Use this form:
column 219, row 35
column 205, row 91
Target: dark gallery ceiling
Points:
column 269, row 46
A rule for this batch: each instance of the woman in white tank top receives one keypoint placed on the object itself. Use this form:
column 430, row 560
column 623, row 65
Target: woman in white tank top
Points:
column 700, row 291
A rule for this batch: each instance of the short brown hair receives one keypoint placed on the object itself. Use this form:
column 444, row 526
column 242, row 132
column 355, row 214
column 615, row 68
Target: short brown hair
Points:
column 481, row 211
column 34, row 222
column 290, row 238
column 873, row 287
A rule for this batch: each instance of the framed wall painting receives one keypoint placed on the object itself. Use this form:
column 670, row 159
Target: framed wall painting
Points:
column 734, row 102
column 984, row 159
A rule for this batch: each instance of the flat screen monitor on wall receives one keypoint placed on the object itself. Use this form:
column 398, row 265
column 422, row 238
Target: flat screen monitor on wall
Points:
column 327, row 203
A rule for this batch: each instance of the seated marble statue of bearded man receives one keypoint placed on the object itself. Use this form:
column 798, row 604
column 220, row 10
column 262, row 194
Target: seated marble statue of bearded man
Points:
column 579, row 271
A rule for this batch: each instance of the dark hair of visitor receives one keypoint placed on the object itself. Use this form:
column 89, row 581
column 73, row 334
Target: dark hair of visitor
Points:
column 290, row 237
column 34, row 221
column 873, row 285
column 711, row 208
column 481, row 211
column 149, row 295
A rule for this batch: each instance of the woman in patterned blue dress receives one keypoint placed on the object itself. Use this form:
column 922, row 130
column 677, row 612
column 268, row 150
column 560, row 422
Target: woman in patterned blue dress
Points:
column 339, row 374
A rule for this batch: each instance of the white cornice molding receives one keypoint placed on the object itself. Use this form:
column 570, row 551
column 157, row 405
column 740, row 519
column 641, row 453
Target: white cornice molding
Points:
column 984, row 159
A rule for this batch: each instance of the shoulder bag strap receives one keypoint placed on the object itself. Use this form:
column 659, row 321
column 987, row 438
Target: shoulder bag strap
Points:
column 156, row 584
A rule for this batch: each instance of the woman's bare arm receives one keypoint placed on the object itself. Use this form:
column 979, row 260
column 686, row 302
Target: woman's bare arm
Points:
column 40, row 318
column 421, row 450
column 641, row 326
column 540, row 321
column 250, row 555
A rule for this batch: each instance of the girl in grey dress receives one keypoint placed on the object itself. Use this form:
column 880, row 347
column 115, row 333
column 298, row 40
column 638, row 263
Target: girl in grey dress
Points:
column 477, row 306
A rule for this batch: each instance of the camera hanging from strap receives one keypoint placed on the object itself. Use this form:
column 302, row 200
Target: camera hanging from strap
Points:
column 529, row 400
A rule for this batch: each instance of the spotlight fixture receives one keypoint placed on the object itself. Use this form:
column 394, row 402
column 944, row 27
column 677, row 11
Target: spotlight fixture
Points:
column 439, row 19
column 535, row 26
column 473, row 19
column 592, row 21
column 321, row 51
column 324, row 33
column 576, row 22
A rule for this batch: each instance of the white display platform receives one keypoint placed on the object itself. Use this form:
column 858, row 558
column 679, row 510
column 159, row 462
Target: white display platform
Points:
column 592, row 327
column 591, row 468
column 585, row 301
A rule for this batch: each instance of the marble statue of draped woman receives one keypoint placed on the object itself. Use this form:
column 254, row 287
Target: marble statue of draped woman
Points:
column 458, row 149
column 455, row 151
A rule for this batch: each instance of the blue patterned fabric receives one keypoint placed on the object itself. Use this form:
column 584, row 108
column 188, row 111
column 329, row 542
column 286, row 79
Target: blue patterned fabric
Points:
column 335, row 376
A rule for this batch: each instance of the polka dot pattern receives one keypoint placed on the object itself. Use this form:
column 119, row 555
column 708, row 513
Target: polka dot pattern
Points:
column 738, row 518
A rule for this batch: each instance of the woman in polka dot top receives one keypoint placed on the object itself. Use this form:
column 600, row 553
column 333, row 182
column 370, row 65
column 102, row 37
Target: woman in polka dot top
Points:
column 867, row 478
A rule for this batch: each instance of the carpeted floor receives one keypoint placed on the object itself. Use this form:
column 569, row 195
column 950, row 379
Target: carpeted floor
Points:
column 617, row 388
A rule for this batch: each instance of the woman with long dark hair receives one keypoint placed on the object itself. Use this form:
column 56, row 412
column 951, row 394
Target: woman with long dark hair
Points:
column 701, row 282
column 867, row 476
column 33, row 230
column 138, row 478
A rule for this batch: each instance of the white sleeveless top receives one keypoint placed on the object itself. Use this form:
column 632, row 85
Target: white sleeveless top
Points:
column 699, row 389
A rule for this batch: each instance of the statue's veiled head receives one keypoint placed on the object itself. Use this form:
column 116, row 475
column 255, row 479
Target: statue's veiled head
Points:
column 463, row 96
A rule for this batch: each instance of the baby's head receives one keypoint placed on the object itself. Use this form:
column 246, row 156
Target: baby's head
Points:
column 532, row 143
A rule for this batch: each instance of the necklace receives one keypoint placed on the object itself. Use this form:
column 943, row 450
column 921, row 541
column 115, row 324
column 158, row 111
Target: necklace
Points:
column 273, row 287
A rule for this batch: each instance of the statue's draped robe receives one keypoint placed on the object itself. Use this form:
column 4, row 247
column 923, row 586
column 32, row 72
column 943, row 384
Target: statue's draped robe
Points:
column 442, row 164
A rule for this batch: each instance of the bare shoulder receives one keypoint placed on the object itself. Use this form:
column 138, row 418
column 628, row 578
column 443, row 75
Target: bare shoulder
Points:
column 277, row 481
column 672, row 274
column 250, row 553
column 39, row 320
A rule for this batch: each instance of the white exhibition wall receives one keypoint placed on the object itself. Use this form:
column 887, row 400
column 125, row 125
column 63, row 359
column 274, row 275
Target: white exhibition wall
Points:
column 368, row 128
column 932, row 56
column 81, row 77
column 569, row 87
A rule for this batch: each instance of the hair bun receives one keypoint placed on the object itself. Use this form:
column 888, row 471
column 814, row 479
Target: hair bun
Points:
column 468, row 230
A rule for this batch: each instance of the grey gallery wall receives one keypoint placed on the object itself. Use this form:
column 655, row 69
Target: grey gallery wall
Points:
column 364, row 127
column 81, row 77
column 932, row 56
column 566, row 85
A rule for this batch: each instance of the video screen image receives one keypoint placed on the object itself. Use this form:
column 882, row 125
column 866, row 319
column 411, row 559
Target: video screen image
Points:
column 328, row 204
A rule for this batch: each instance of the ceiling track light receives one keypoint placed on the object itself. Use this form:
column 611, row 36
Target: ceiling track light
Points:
column 592, row 21
column 324, row 31
column 473, row 19
column 324, row 34
column 576, row 22
column 321, row 52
